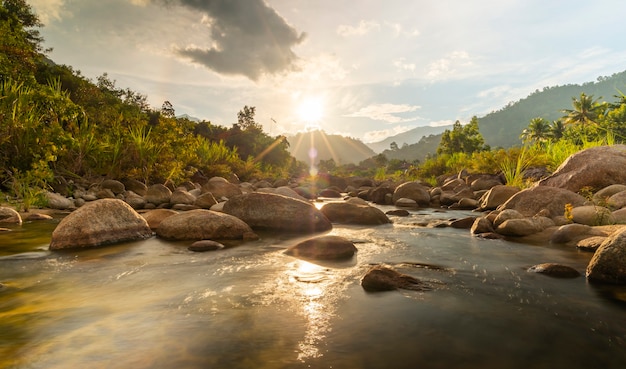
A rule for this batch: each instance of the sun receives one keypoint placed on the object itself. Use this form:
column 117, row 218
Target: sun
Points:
column 311, row 109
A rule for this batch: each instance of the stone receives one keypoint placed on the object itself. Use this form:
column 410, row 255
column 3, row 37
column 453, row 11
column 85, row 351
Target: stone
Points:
column 590, row 243
column 383, row 278
column 497, row 196
column 592, row 215
column 485, row 183
column 113, row 185
column 404, row 202
column 533, row 200
column 135, row 200
column 201, row 224
column 284, row 191
column 505, row 215
column 158, row 194
column 356, row 201
column 596, row 168
column 555, row 270
column 523, row 227
column 619, row 216
column 156, row 216
column 482, row 225
column 205, row 245
column 323, row 248
column 617, row 200
column 414, row 191
column 59, row 202
column 134, row 185
column 379, row 196
column 98, row 223
column 181, row 196
column 38, row 216
column 342, row 212
column 330, row 193
column 608, row 264
column 572, row 233
column 105, row 193
column 10, row 215
column 205, row 201
column 220, row 187
column 398, row 212
column 463, row 223
column 277, row 212
column 603, row 195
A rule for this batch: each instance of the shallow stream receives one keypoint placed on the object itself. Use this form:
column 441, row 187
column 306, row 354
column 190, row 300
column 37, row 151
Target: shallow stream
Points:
column 154, row 304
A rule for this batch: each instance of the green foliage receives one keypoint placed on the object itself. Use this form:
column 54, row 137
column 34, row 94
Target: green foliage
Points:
column 466, row 139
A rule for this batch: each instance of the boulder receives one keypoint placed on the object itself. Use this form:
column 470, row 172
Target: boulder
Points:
column 113, row 185
column 590, row 243
column 282, row 190
column 330, row 193
column 158, row 194
column 555, row 270
column 603, row 195
column 37, row 216
column 497, row 196
column 414, row 191
column 379, row 195
column 181, row 196
column 58, row 202
column 277, row 212
column 9, row 215
column 220, row 188
column 398, row 213
column 619, row 216
column 596, row 167
column 135, row 200
column 205, row 245
column 608, row 264
column 382, row 278
column 404, row 202
column 201, row 224
column 552, row 200
column 481, row 225
column 100, row 222
column 524, row 227
column 343, row 212
column 592, row 215
column 485, row 183
column 323, row 248
column 572, row 233
column 134, row 185
column 463, row 223
column 616, row 201
column 156, row 216
column 205, row 201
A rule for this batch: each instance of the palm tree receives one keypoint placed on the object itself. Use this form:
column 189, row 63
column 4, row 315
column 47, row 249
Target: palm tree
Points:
column 585, row 112
column 557, row 129
column 538, row 131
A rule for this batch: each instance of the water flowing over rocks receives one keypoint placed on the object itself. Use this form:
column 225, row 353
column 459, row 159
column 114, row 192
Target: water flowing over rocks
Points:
column 323, row 248
column 343, row 212
column 277, row 212
column 201, row 224
column 99, row 223
column 608, row 264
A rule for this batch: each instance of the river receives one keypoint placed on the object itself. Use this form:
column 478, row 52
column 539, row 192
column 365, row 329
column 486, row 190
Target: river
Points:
column 154, row 304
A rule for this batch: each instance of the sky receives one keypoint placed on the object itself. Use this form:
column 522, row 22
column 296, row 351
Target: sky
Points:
column 366, row 69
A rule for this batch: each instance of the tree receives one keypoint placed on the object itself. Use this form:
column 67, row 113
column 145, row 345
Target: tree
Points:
column 461, row 138
column 557, row 130
column 245, row 119
column 585, row 112
column 167, row 110
column 537, row 131
column 393, row 146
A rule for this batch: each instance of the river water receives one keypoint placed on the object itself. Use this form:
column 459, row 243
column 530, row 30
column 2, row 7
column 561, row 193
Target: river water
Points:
column 153, row 304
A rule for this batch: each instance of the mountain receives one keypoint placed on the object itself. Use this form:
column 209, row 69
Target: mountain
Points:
column 502, row 128
column 342, row 149
column 409, row 137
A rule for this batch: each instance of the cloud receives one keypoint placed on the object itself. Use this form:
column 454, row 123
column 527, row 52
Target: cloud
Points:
column 441, row 123
column 377, row 136
column 246, row 37
column 48, row 10
column 402, row 64
column 362, row 29
column 386, row 112
column 447, row 66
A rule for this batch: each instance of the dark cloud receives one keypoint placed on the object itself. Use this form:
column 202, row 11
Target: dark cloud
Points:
column 249, row 38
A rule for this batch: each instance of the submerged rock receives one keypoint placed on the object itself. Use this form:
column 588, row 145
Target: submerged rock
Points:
column 323, row 248
column 555, row 270
column 100, row 222
column 382, row 278
column 205, row 245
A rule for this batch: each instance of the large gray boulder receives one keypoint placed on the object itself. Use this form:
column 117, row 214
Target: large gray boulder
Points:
column 543, row 199
column 202, row 224
column 276, row 212
column 220, row 187
column 608, row 264
column 323, row 248
column 596, row 167
column 414, row 191
column 347, row 213
column 100, row 222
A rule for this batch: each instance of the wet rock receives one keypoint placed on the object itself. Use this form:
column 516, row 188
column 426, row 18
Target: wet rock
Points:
column 38, row 216
column 183, row 197
column 100, row 222
column 330, row 193
column 403, row 202
column 463, row 223
column 590, row 244
column 323, row 248
column 9, row 215
column 482, row 225
column 573, row 233
column 398, row 213
column 608, row 264
column 382, row 278
column 490, row 236
column 523, row 227
column 555, row 270
column 379, row 195
column 201, row 224
column 205, row 201
column 137, row 187
column 414, row 191
column 596, row 167
column 354, row 214
column 537, row 199
column 619, row 216
column 156, row 216
column 205, row 245
column 276, row 212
